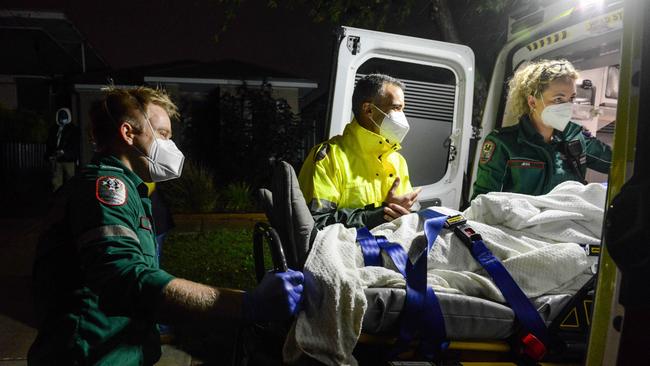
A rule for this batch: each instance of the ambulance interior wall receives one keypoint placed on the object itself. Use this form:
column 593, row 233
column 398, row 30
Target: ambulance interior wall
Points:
column 598, row 117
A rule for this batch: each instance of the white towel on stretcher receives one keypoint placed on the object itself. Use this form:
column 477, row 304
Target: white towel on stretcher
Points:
column 534, row 236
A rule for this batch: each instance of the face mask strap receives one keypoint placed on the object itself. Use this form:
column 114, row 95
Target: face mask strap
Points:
column 153, row 133
column 146, row 118
column 155, row 141
column 541, row 97
column 144, row 114
column 373, row 120
column 379, row 109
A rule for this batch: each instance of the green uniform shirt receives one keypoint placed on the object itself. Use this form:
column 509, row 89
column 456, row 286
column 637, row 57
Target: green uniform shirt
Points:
column 516, row 159
column 97, row 280
column 346, row 179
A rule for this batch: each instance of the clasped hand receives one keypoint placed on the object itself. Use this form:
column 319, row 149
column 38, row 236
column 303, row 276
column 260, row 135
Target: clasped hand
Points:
column 396, row 206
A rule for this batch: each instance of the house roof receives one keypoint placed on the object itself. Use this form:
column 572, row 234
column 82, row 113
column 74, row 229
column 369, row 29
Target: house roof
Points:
column 222, row 72
column 221, row 69
column 43, row 44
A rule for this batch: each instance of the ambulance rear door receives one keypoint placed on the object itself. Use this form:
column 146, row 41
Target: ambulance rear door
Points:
column 439, row 79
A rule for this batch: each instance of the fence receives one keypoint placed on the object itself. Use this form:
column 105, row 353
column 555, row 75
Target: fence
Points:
column 20, row 155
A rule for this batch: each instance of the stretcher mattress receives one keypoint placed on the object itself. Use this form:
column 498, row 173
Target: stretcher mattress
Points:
column 536, row 238
column 333, row 317
column 466, row 317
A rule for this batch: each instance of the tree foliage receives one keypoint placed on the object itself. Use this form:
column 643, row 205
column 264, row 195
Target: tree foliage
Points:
column 22, row 126
column 375, row 14
column 480, row 24
column 257, row 127
column 237, row 132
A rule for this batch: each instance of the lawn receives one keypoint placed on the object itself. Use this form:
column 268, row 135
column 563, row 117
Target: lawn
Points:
column 222, row 257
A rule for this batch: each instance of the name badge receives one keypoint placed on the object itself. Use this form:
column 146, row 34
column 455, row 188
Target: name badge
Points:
column 145, row 223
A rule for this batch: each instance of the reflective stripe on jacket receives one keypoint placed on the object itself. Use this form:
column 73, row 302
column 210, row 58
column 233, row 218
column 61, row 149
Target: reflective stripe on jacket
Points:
column 96, row 303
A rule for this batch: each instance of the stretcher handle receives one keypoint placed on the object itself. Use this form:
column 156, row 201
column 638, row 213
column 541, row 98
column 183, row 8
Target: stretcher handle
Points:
column 261, row 232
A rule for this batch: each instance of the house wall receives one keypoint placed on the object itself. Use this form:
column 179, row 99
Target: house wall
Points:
column 80, row 113
column 8, row 93
column 291, row 95
column 85, row 97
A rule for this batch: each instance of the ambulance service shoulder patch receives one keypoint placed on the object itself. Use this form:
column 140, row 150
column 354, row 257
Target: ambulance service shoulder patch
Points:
column 487, row 151
column 110, row 191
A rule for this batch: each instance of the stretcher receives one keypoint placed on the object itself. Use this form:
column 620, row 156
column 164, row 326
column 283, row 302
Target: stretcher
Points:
column 476, row 329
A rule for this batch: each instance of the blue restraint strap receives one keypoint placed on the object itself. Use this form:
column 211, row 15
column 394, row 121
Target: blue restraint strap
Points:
column 369, row 247
column 422, row 309
column 520, row 304
column 422, row 313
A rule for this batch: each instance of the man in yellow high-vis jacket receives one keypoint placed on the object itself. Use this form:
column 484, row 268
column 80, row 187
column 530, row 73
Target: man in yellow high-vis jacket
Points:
column 359, row 178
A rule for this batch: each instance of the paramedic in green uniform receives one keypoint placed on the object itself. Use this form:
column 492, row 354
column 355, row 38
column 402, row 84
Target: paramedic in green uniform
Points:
column 544, row 148
column 359, row 178
column 98, row 289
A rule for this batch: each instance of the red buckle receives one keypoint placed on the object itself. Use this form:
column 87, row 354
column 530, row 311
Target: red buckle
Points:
column 533, row 347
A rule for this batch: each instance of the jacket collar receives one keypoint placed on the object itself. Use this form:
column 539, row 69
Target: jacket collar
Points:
column 527, row 132
column 368, row 142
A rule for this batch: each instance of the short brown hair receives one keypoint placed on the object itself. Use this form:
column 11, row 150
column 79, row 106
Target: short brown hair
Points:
column 369, row 88
column 121, row 104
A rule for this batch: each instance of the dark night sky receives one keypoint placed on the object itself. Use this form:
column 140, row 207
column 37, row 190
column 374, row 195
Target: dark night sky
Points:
column 132, row 33
column 139, row 32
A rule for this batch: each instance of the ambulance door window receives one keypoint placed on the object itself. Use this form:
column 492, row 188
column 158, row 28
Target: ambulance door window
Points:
column 430, row 99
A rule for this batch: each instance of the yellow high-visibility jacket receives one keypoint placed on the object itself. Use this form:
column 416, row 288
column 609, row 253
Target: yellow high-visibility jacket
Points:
column 346, row 179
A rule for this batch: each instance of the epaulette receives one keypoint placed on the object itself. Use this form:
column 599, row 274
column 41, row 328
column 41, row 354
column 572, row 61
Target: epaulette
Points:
column 95, row 167
column 321, row 152
column 508, row 129
column 111, row 168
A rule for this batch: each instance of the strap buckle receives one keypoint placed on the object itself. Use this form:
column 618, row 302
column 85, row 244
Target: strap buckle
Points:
column 533, row 347
column 592, row 250
column 464, row 232
column 455, row 221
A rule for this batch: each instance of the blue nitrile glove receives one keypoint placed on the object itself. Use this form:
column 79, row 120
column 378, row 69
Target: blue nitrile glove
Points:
column 276, row 298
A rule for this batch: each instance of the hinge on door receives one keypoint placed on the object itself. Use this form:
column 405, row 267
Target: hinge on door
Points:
column 452, row 153
column 354, row 44
column 450, row 143
column 476, row 132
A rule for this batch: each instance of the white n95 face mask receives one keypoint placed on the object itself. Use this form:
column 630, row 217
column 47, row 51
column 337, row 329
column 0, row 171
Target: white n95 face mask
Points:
column 165, row 159
column 557, row 115
column 394, row 126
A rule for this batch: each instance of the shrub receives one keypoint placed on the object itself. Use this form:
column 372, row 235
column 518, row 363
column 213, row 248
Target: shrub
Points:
column 194, row 191
column 237, row 197
column 23, row 126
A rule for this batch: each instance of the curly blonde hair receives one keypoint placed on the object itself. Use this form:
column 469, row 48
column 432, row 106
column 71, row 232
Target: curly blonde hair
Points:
column 533, row 79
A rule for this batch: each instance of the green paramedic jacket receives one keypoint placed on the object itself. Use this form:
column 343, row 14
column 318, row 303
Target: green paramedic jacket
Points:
column 96, row 275
column 346, row 179
column 516, row 159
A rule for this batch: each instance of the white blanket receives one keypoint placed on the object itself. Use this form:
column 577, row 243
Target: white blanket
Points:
column 534, row 236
